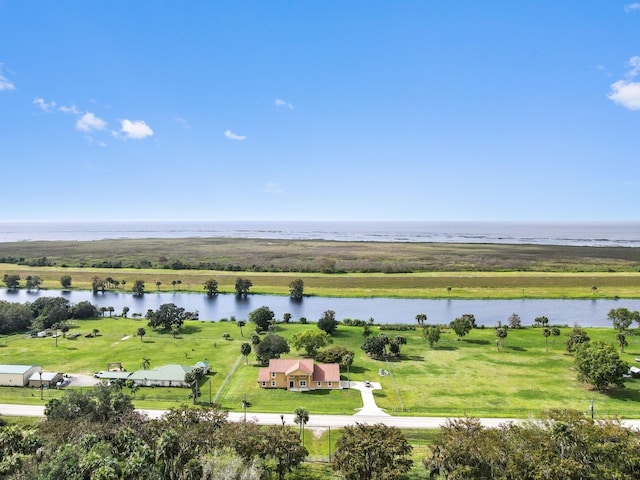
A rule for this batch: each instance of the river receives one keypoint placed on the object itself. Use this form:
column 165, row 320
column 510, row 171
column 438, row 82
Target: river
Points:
column 586, row 313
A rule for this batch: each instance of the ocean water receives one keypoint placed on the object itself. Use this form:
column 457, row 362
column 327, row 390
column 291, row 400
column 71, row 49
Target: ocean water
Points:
column 600, row 234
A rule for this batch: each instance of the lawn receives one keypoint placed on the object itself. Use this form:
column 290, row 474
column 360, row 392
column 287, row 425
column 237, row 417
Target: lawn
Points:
column 467, row 377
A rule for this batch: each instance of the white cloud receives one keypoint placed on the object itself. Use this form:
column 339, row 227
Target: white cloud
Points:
column 89, row 122
column 183, row 122
column 5, row 83
column 272, row 188
column 630, row 7
column 626, row 92
column 71, row 109
column 47, row 107
column 634, row 64
column 232, row 136
column 278, row 102
column 136, row 130
column 93, row 142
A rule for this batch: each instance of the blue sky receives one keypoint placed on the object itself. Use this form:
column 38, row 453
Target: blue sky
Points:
column 320, row 110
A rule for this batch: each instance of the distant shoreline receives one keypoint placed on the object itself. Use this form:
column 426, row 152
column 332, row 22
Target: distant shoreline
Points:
column 602, row 234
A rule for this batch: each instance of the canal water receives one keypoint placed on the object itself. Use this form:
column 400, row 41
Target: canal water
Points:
column 585, row 313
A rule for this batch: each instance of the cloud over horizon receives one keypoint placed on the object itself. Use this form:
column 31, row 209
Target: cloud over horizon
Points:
column 630, row 7
column 627, row 92
column 232, row 136
column 135, row 130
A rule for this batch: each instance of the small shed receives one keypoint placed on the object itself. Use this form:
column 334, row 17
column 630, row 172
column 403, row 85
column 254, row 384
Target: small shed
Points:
column 47, row 379
column 17, row 375
column 204, row 366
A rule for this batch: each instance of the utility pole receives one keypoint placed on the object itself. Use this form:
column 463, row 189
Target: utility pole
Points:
column 329, row 444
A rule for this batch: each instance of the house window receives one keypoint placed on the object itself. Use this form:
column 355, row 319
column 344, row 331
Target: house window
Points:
column 329, row 384
column 273, row 383
column 264, row 384
column 273, row 374
column 303, row 383
column 319, row 384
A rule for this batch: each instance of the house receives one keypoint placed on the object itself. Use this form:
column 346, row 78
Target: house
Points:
column 46, row 379
column 299, row 375
column 165, row 376
column 17, row 375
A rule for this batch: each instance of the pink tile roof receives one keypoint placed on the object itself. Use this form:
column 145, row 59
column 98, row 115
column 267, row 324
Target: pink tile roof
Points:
column 264, row 375
column 327, row 372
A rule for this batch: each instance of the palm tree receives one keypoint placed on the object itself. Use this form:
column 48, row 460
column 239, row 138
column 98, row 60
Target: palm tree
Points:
column 301, row 418
column 158, row 285
column 141, row 333
column 245, row 349
column 193, row 378
column 125, row 310
column 546, row 332
column 111, row 310
column 146, row 363
column 555, row 331
column 421, row 318
column 241, row 323
column 621, row 338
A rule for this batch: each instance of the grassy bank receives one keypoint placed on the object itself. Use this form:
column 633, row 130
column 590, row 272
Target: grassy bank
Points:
column 455, row 285
column 467, row 377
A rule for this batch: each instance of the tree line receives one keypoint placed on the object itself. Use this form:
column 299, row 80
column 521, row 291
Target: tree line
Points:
column 242, row 285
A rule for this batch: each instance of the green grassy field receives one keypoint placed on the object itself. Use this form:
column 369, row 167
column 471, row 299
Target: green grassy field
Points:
column 467, row 377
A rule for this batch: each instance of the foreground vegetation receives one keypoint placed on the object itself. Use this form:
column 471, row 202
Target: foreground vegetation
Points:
column 97, row 435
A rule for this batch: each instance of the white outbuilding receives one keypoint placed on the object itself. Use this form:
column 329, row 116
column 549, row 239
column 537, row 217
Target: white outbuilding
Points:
column 17, row 375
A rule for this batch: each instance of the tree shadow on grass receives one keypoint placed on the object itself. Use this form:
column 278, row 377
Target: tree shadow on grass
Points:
column 623, row 394
column 516, row 349
column 354, row 369
column 148, row 341
column 476, row 341
column 190, row 329
column 416, row 358
column 445, row 347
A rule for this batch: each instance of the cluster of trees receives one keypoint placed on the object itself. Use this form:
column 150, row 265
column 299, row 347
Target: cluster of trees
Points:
column 381, row 345
column 563, row 445
column 96, row 434
column 43, row 313
column 168, row 317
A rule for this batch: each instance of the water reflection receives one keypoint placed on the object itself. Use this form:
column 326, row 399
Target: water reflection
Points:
column 592, row 312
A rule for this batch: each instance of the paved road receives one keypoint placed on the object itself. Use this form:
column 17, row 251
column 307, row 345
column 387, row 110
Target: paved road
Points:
column 314, row 420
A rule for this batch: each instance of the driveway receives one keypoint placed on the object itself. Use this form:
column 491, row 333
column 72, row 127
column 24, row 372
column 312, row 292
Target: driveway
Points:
column 79, row 380
column 369, row 407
